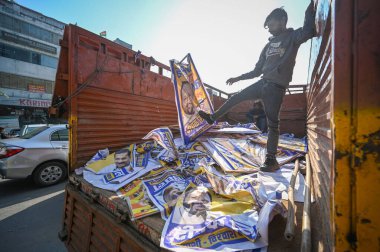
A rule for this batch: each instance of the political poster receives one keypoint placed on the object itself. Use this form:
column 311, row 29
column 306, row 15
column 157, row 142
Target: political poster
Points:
column 164, row 137
column 165, row 189
column 203, row 219
column 139, row 203
column 101, row 154
column 119, row 168
column 227, row 185
column 191, row 97
column 243, row 156
column 117, row 160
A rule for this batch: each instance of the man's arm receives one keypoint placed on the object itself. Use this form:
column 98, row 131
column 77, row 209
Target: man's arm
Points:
column 308, row 30
column 254, row 73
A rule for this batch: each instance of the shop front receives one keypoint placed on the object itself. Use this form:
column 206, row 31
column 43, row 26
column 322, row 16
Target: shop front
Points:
column 26, row 107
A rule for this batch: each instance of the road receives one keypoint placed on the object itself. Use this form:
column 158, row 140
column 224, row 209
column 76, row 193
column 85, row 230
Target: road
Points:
column 30, row 216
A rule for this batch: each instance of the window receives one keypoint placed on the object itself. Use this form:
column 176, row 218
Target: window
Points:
column 60, row 135
column 49, row 61
column 21, row 82
column 26, row 28
column 34, row 132
column 27, row 56
column 36, row 58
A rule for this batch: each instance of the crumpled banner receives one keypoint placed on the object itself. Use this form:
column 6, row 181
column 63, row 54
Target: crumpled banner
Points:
column 202, row 219
column 165, row 189
column 164, row 137
column 191, row 97
column 227, row 185
column 97, row 180
column 243, row 156
column 139, row 203
column 285, row 142
column 119, row 168
column 101, row 154
column 119, row 159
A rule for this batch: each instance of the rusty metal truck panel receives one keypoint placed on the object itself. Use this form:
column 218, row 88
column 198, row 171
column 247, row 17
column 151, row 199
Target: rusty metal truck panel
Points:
column 110, row 93
column 90, row 228
column 320, row 145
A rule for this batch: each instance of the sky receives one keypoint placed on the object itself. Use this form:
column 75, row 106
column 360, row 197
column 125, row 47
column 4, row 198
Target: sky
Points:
column 224, row 37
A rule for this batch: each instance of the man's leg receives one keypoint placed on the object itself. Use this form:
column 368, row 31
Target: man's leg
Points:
column 272, row 98
column 254, row 91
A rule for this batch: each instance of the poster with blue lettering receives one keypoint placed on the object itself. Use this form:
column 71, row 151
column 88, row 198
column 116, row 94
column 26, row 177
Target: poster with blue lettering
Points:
column 204, row 220
column 164, row 190
column 243, row 156
column 191, row 97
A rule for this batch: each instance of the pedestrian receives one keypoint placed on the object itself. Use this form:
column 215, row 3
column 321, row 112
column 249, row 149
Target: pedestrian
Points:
column 276, row 64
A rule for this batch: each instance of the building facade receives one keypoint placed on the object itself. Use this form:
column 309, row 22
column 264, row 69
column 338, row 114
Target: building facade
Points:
column 29, row 52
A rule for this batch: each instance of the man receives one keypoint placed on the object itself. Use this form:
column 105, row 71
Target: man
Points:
column 188, row 101
column 196, row 202
column 122, row 159
column 276, row 64
column 170, row 195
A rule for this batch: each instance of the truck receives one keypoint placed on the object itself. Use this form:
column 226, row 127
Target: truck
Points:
column 111, row 97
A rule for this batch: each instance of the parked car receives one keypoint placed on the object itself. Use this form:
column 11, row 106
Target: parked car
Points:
column 41, row 154
column 29, row 127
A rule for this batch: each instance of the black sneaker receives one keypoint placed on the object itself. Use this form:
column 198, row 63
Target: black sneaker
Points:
column 270, row 165
column 206, row 117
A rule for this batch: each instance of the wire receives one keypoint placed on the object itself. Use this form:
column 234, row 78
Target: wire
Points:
column 89, row 80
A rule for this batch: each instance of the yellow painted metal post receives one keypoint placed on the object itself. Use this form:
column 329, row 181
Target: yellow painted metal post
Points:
column 356, row 125
column 342, row 187
column 366, row 125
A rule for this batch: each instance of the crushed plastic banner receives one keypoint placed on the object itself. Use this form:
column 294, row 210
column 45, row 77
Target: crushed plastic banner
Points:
column 139, row 203
column 164, row 137
column 202, row 219
column 117, row 160
column 227, row 185
column 191, row 97
column 165, row 189
column 120, row 168
column 241, row 155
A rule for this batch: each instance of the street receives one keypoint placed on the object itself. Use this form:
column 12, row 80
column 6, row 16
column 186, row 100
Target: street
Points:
column 30, row 216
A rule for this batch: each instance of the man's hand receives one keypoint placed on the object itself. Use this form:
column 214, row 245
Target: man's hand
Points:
column 231, row 81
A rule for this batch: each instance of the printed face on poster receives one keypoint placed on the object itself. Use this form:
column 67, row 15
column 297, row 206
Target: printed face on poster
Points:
column 191, row 97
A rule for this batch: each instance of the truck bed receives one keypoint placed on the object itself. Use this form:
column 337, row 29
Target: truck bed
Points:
column 97, row 220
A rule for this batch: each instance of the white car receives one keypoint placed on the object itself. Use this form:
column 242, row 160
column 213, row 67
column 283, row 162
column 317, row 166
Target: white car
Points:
column 30, row 127
column 41, row 153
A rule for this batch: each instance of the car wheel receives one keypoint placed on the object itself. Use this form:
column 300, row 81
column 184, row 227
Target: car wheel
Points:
column 49, row 173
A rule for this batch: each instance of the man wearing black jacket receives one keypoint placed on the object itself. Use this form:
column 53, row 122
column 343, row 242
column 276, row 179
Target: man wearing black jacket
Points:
column 276, row 64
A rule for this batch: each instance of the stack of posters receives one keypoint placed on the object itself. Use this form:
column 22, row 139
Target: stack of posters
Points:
column 242, row 156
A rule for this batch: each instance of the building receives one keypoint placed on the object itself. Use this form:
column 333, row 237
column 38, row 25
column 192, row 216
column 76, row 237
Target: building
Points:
column 29, row 52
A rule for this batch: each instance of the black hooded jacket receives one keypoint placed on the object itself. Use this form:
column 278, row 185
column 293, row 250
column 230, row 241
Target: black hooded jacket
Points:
column 277, row 59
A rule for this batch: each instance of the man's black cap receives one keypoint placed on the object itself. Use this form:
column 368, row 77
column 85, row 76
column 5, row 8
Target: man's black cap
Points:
column 277, row 14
